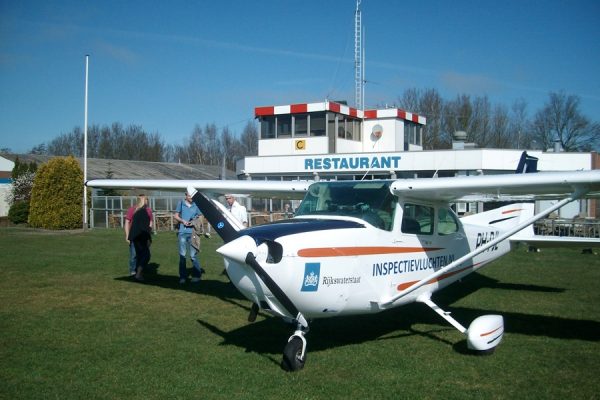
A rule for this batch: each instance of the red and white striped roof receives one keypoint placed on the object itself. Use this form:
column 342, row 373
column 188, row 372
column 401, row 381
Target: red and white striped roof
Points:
column 340, row 109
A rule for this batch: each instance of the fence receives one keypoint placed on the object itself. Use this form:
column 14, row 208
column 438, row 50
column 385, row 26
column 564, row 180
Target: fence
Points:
column 110, row 212
column 578, row 227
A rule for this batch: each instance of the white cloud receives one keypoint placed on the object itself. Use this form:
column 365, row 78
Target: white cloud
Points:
column 119, row 53
column 466, row 83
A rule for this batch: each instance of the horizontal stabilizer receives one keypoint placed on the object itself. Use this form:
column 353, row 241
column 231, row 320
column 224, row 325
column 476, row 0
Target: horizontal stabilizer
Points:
column 542, row 241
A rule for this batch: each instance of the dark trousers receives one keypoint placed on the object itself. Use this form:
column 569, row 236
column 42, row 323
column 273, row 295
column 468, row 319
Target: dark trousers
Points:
column 142, row 251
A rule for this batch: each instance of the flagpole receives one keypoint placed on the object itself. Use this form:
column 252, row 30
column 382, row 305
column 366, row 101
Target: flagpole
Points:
column 85, row 126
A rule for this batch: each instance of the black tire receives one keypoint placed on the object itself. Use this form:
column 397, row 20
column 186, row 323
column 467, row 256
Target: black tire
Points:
column 291, row 355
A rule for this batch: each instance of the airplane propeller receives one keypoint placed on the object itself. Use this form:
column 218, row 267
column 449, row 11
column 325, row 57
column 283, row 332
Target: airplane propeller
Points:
column 237, row 248
column 214, row 216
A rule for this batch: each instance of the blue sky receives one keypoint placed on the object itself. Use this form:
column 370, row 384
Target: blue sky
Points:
column 168, row 65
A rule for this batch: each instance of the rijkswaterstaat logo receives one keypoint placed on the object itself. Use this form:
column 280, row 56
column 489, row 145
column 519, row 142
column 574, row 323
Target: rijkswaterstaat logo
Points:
column 310, row 283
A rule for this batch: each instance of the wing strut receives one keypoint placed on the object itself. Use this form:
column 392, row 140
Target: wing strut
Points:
column 574, row 196
column 425, row 298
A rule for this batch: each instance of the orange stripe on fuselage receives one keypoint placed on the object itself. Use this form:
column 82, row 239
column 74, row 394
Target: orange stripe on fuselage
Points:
column 361, row 251
column 512, row 211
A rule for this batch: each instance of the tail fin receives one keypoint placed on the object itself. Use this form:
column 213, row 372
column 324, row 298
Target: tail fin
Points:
column 216, row 216
column 527, row 164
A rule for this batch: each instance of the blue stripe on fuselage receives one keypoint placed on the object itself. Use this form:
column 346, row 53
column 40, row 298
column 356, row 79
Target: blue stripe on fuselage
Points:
column 287, row 227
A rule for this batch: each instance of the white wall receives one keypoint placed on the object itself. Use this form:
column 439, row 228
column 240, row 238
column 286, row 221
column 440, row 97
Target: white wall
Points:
column 287, row 147
column 6, row 165
column 4, row 192
column 344, row 146
column 462, row 160
column 391, row 138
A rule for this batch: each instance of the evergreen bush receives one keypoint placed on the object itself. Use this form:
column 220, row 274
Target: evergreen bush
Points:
column 56, row 197
column 18, row 212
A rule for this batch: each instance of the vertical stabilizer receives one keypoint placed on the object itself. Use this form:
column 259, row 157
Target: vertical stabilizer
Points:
column 527, row 164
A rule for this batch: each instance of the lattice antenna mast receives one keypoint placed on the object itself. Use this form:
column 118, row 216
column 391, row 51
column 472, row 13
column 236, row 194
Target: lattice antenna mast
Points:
column 358, row 59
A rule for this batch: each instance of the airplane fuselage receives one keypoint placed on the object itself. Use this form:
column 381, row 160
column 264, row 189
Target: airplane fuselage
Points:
column 333, row 266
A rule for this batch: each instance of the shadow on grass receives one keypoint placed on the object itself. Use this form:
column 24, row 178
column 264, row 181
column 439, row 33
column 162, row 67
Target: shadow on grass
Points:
column 525, row 324
column 475, row 281
column 219, row 289
column 270, row 335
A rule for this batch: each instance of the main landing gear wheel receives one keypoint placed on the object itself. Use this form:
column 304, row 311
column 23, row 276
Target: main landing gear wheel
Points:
column 292, row 355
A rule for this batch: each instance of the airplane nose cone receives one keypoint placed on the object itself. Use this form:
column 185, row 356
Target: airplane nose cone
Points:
column 238, row 249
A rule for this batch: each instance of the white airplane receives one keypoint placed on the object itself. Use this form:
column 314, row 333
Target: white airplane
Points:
column 358, row 247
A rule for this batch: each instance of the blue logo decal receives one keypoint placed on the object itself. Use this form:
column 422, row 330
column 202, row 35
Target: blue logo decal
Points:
column 310, row 282
column 220, row 225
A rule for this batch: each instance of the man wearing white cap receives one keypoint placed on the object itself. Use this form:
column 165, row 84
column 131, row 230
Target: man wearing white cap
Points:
column 238, row 210
column 185, row 213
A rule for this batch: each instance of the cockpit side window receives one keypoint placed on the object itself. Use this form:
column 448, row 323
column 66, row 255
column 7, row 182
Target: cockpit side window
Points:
column 417, row 219
column 447, row 223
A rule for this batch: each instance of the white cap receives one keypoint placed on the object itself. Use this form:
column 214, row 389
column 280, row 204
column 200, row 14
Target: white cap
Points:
column 191, row 191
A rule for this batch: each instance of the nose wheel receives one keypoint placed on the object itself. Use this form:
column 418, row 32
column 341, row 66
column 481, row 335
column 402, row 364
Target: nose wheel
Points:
column 294, row 353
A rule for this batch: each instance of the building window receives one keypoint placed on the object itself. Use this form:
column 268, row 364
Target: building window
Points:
column 267, row 127
column 330, row 124
column 284, row 125
column 413, row 134
column 341, row 126
column 356, row 130
column 310, row 124
column 317, row 124
column 349, row 129
column 300, row 124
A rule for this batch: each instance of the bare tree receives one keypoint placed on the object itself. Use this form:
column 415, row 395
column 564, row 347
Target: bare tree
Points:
column 106, row 142
column 560, row 120
column 479, row 125
column 39, row 149
column 67, row 144
column 195, row 150
column 429, row 104
column 228, row 148
column 132, row 143
column 249, row 140
column 500, row 135
column 457, row 116
column 410, row 100
column 213, row 145
column 519, row 125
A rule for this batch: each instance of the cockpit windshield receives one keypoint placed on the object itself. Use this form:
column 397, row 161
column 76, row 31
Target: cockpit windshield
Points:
column 370, row 201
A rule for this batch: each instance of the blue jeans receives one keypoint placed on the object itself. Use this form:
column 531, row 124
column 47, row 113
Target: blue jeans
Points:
column 132, row 258
column 184, row 240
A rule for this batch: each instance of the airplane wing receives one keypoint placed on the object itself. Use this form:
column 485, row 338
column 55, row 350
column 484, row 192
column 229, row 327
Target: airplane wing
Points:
column 277, row 189
column 507, row 187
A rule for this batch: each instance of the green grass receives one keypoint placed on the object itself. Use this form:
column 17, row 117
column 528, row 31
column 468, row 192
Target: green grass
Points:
column 72, row 325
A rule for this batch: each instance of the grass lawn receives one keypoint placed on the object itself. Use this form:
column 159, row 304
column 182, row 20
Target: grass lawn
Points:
column 74, row 326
